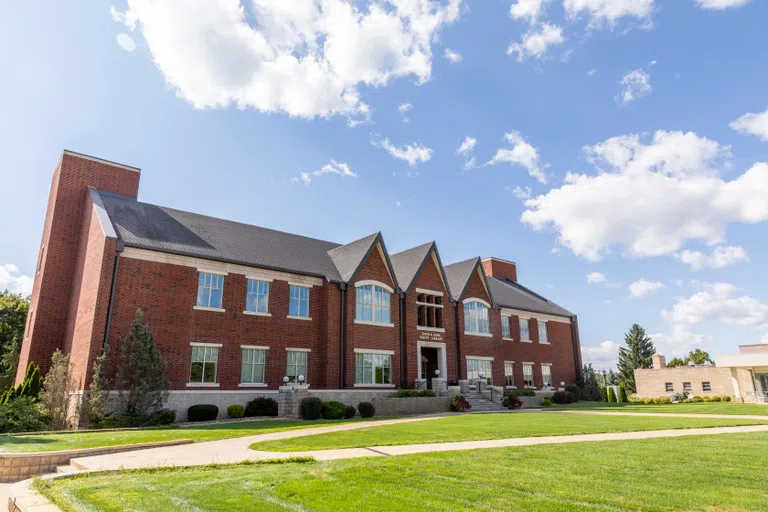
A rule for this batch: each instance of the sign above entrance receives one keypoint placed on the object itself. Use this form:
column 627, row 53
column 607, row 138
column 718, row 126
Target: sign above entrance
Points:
column 430, row 336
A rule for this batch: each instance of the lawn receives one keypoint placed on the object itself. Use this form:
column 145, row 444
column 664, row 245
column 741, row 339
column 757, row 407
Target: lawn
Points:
column 712, row 473
column 685, row 408
column 74, row 441
column 474, row 427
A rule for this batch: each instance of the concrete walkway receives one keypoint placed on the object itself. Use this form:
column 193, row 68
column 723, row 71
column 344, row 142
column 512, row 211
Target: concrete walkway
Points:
column 663, row 414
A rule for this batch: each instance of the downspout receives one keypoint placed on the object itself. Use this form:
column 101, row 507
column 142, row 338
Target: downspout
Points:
column 119, row 248
column 401, row 294
column 456, row 337
column 343, row 288
column 576, row 347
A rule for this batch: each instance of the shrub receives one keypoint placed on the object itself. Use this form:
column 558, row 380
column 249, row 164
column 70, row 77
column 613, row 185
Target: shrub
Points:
column 311, row 408
column 726, row 398
column 700, row 399
column 717, row 399
column 366, row 409
column 647, row 400
column 634, row 398
column 22, row 414
column 236, row 411
column 562, row 397
column 405, row 393
column 162, row 417
column 460, row 404
column 662, row 400
column 519, row 392
column 261, row 406
column 350, row 412
column 203, row 412
column 575, row 391
column 512, row 402
column 427, row 393
column 603, row 394
column 611, row 395
column 547, row 402
column 679, row 397
column 333, row 410
column 623, row 394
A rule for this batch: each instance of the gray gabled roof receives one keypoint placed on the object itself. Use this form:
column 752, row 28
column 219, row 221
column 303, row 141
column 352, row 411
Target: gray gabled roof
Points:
column 164, row 229
column 349, row 257
column 459, row 274
column 509, row 294
column 409, row 263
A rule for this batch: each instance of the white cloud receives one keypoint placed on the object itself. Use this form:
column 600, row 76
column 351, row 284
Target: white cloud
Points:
column 529, row 10
column 412, row 153
column 303, row 58
column 14, row 281
column 126, row 42
column 467, row 146
column 522, row 193
column 653, row 63
column 637, row 84
column 333, row 167
column 470, row 164
column 536, row 44
column 595, row 278
column 721, row 4
column 649, row 199
column 453, row 56
column 522, row 154
column 753, row 124
column 608, row 11
column 566, row 56
column 604, row 355
column 591, row 72
column 404, row 109
column 643, row 288
column 720, row 257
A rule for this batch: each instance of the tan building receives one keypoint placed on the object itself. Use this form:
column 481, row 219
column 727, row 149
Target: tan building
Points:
column 749, row 372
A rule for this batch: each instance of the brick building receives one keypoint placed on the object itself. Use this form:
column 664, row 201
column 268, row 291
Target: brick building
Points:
column 237, row 308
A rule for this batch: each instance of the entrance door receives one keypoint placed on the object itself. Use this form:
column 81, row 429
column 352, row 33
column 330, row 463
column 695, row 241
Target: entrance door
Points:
column 429, row 364
column 762, row 381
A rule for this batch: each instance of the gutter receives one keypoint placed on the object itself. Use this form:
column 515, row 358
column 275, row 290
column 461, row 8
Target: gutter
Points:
column 119, row 248
column 343, row 288
column 401, row 294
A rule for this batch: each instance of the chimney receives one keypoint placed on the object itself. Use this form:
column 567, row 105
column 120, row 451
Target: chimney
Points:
column 659, row 362
column 497, row 267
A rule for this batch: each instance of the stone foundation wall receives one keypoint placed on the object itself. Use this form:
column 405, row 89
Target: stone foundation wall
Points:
column 407, row 406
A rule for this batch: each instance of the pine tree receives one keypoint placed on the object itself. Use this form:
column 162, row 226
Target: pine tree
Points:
column 611, row 395
column 99, row 389
column 58, row 389
column 637, row 354
column 623, row 394
column 141, row 378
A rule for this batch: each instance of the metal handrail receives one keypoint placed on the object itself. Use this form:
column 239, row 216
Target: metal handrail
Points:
column 420, row 385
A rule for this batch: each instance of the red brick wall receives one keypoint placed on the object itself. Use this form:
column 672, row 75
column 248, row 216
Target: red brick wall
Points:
column 59, row 248
column 500, row 268
column 371, row 336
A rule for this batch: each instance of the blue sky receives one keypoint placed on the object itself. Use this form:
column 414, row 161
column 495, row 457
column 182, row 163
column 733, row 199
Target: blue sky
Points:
column 622, row 138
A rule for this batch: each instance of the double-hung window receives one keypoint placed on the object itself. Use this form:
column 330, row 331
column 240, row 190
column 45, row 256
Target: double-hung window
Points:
column 687, row 387
column 429, row 308
column 297, row 365
column 210, row 289
column 528, row 375
column 505, row 326
column 373, row 368
column 205, row 358
column 253, row 362
column 546, row 375
column 543, row 338
column 668, row 387
column 706, row 387
column 479, row 369
column 525, row 332
column 257, row 298
column 509, row 374
column 298, row 305
column 373, row 304
column 475, row 317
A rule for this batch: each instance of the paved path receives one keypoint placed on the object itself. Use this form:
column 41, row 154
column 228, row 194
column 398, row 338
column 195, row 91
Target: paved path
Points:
column 664, row 414
column 4, row 488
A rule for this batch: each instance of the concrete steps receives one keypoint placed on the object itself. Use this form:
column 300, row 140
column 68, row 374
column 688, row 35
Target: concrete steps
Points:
column 481, row 404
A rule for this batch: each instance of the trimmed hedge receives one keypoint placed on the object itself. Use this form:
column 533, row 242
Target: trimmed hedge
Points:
column 311, row 408
column 203, row 412
column 350, row 412
column 235, row 411
column 333, row 410
column 519, row 392
column 412, row 393
column 575, row 391
column 367, row 410
column 261, row 406
column 562, row 397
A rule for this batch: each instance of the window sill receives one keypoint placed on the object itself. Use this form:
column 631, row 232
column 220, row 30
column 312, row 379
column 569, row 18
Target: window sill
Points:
column 202, row 384
column 251, row 385
column 368, row 322
column 544, row 343
column 479, row 334
column 256, row 313
column 206, row 308
column 429, row 329
column 374, row 385
column 300, row 317
column 511, row 387
column 530, row 387
column 508, row 339
column 526, row 341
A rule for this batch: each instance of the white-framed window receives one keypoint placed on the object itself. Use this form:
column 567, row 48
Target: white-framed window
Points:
column 373, row 368
column 205, row 359
column 525, row 332
column 210, row 290
column 543, row 337
column 429, row 308
column 546, row 375
column 298, row 305
column 297, row 365
column 509, row 374
column 479, row 369
column 373, row 303
column 687, row 387
column 505, row 326
column 528, row 375
column 257, row 297
column 706, row 386
column 669, row 388
column 253, row 364
column 476, row 317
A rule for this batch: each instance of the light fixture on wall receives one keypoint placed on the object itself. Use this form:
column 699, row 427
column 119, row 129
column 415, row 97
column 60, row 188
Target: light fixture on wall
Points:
column 301, row 379
column 286, row 380
column 437, row 373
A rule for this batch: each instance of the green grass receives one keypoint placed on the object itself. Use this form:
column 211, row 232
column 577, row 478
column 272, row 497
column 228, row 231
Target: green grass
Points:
column 70, row 441
column 489, row 426
column 698, row 473
column 685, row 408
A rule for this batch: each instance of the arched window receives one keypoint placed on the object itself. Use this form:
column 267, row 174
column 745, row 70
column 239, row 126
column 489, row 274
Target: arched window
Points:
column 373, row 302
column 476, row 316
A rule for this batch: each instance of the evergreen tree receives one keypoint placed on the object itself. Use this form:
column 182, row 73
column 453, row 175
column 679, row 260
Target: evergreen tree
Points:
column 141, row 378
column 637, row 354
column 58, row 389
column 99, row 389
column 697, row 356
column 611, row 395
column 623, row 394
column 13, row 319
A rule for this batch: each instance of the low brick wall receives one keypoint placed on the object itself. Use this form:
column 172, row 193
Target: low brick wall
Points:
column 416, row 405
column 20, row 466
